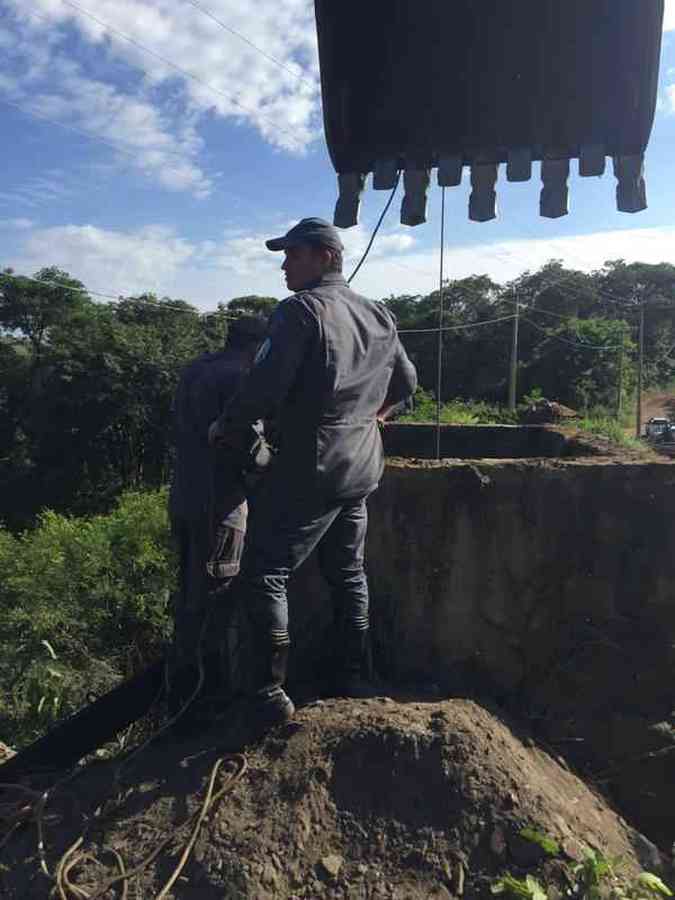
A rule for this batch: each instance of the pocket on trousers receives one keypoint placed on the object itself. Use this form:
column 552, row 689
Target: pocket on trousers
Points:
column 225, row 557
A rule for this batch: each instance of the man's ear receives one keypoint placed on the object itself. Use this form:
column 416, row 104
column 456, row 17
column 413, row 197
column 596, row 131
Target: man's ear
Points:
column 325, row 255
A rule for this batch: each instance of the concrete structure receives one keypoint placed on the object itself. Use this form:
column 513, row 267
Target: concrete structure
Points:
column 475, row 441
column 548, row 585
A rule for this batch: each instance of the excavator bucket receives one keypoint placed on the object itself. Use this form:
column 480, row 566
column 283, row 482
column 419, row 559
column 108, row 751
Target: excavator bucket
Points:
column 411, row 86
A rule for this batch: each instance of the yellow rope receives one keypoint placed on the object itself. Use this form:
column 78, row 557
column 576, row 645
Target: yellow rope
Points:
column 196, row 820
column 16, row 813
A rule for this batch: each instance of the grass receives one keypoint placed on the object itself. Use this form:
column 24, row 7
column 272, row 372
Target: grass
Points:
column 459, row 412
column 609, row 428
column 598, row 422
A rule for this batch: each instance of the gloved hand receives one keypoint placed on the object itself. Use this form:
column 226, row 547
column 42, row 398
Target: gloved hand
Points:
column 218, row 434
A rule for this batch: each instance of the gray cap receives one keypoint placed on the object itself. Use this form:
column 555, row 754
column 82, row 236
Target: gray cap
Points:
column 308, row 231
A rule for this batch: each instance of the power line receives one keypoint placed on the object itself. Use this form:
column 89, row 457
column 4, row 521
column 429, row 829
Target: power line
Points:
column 579, row 344
column 185, row 72
column 159, row 305
column 456, row 327
column 93, row 137
column 376, row 229
column 226, row 27
column 117, row 298
column 545, row 312
column 530, row 233
column 439, row 349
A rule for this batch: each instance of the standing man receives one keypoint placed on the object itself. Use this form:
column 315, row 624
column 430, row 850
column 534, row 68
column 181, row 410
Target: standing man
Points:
column 330, row 364
column 208, row 511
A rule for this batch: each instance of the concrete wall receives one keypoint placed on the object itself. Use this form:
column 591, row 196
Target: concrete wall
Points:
column 473, row 441
column 549, row 585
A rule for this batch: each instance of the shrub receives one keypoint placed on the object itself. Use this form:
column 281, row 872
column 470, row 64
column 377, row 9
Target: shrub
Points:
column 84, row 602
column 458, row 412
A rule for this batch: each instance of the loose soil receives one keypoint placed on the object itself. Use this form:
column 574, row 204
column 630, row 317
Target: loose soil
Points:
column 376, row 798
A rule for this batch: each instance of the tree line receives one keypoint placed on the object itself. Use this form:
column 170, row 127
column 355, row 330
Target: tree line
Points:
column 86, row 385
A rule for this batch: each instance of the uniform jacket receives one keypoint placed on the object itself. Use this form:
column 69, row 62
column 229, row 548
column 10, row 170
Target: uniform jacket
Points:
column 331, row 361
column 207, row 482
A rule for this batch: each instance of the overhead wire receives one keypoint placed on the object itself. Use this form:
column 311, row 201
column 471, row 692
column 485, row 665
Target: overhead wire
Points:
column 161, row 305
column 117, row 298
column 121, row 148
column 377, row 228
column 167, row 62
column 456, row 327
column 439, row 349
column 439, row 330
column 603, row 348
column 609, row 297
column 207, row 12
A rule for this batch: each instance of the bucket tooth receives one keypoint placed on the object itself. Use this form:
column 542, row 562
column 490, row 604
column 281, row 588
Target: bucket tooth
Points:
column 631, row 189
column 483, row 199
column 385, row 175
column 350, row 186
column 414, row 205
column 592, row 160
column 519, row 164
column 554, row 200
column 450, row 171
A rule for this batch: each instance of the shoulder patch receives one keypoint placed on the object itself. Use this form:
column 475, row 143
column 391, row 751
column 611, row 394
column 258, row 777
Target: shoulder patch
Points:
column 263, row 350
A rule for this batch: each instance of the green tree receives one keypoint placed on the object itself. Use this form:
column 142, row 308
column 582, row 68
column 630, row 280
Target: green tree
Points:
column 252, row 305
column 35, row 306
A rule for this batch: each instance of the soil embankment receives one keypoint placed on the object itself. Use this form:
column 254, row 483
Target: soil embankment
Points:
column 356, row 799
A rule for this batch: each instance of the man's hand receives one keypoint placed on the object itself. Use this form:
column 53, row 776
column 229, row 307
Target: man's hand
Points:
column 384, row 414
column 217, row 435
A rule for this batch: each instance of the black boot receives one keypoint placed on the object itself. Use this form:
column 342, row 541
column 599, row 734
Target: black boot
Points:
column 266, row 704
column 351, row 676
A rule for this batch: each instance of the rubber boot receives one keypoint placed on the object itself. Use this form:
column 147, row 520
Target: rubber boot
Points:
column 266, row 704
column 351, row 675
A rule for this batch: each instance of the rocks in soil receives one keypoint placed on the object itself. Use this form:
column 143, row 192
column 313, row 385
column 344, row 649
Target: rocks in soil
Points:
column 367, row 799
column 331, row 865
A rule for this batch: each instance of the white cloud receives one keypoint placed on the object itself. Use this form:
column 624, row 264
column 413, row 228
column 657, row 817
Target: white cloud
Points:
column 112, row 262
column 156, row 258
column 50, row 86
column 417, row 272
column 282, row 102
column 669, row 18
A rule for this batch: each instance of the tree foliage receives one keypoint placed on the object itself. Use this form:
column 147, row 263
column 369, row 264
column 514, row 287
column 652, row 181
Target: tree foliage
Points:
column 577, row 333
column 86, row 386
column 84, row 602
column 85, row 401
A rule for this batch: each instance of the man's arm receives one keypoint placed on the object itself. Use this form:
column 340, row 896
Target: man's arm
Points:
column 403, row 383
column 263, row 391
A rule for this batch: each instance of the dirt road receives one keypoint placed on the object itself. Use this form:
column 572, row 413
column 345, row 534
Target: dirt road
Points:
column 658, row 404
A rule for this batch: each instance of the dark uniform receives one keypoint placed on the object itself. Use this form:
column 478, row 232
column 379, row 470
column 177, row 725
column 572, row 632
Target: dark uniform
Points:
column 332, row 360
column 208, row 511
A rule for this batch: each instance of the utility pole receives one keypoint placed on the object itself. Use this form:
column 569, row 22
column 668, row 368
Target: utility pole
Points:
column 439, row 361
column 619, row 385
column 641, row 357
column 514, row 359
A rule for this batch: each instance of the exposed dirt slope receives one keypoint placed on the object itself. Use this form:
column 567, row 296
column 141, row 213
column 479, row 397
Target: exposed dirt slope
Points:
column 356, row 799
column 658, row 405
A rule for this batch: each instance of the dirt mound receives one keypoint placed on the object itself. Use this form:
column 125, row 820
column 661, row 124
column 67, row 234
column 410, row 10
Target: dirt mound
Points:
column 354, row 799
column 543, row 411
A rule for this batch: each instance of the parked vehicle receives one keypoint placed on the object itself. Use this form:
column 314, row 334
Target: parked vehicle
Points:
column 659, row 429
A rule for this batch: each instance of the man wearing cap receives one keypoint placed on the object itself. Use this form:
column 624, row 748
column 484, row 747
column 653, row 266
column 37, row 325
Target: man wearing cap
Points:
column 330, row 364
column 208, row 511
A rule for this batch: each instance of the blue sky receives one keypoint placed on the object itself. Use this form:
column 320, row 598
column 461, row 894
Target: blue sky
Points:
column 134, row 176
